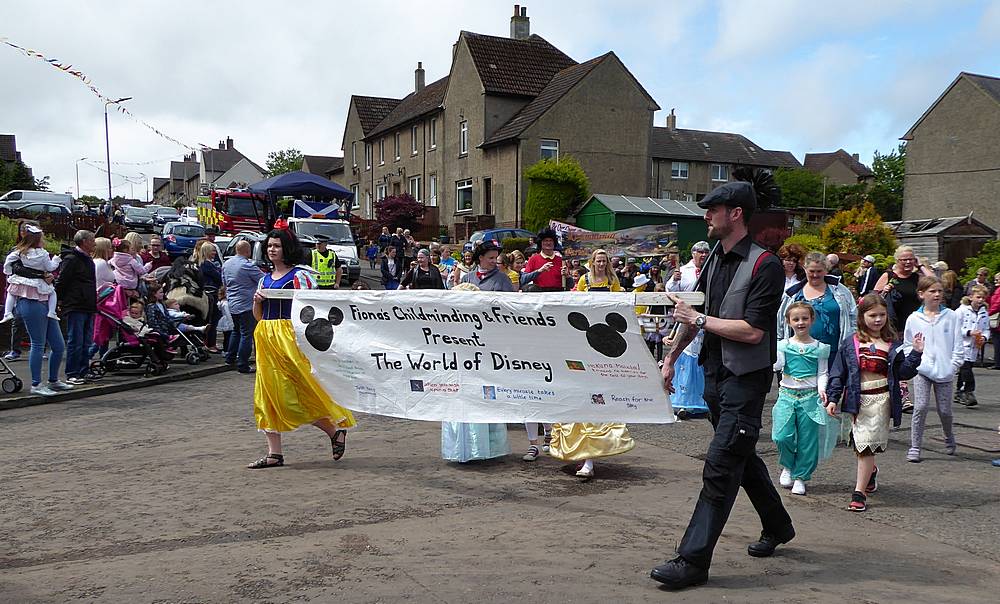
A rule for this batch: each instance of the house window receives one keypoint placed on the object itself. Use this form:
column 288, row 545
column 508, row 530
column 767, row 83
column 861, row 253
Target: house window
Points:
column 720, row 172
column 395, row 140
column 368, row 156
column 679, row 169
column 354, row 189
column 415, row 188
column 550, row 149
column 463, row 138
column 434, row 133
column 463, row 195
column 381, row 151
column 380, row 192
column 354, row 154
column 488, row 196
column 413, row 140
column 432, row 190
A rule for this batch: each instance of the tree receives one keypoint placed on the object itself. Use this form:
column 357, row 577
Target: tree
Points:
column 280, row 162
column 399, row 211
column 858, row 231
column 800, row 187
column 41, row 184
column 886, row 193
column 555, row 188
column 17, row 176
column 988, row 256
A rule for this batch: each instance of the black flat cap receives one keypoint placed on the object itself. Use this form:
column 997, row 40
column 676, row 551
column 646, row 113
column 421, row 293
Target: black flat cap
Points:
column 732, row 194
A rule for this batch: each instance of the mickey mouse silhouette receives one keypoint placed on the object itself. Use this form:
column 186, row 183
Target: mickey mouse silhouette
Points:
column 319, row 332
column 605, row 339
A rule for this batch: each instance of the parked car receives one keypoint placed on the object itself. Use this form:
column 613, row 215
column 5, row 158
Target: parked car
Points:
column 15, row 200
column 179, row 238
column 188, row 215
column 44, row 208
column 139, row 219
column 162, row 215
column 258, row 249
column 499, row 235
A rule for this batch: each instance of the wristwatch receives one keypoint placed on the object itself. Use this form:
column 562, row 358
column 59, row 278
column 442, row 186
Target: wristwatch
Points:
column 700, row 321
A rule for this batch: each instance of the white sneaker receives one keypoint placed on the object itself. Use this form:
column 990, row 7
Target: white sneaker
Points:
column 532, row 453
column 785, row 480
column 53, row 316
column 585, row 472
column 60, row 386
column 43, row 390
column 799, row 488
column 6, row 318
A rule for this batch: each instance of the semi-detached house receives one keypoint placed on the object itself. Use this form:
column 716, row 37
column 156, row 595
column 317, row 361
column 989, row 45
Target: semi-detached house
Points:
column 461, row 144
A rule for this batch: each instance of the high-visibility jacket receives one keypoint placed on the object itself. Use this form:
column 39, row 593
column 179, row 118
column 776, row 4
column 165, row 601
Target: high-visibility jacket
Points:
column 326, row 267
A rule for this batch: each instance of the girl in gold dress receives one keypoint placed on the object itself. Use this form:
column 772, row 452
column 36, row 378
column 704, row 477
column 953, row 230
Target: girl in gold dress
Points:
column 585, row 441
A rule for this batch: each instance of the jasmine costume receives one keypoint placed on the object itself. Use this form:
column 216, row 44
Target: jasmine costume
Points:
column 801, row 428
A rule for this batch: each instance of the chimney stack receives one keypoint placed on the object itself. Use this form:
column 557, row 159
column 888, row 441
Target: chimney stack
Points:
column 672, row 120
column 418, row 77
column 229, row 144
column 856, row 156
column 222, row 145
column 520, row 27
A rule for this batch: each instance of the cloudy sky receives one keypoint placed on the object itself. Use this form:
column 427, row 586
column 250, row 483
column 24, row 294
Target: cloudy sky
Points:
column 797, row 75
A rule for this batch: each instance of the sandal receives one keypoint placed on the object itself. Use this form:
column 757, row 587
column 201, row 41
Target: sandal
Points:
column 339, row 446
column 279, row 460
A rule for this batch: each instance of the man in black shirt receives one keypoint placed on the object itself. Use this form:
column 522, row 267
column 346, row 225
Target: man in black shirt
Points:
column 743, row 284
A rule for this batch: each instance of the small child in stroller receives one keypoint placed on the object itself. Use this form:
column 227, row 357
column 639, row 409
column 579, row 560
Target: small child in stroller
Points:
column 164, row 320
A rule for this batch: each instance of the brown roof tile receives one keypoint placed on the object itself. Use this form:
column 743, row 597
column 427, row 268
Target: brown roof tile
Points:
column 413, row 106
column 321, row 164
column 515, row 67
column 721, row 147
column 557, row 87
column 372, row 110
column 817, row 162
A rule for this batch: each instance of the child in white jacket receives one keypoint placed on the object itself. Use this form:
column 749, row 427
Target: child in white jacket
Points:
column 944, row 353
column 975, row 322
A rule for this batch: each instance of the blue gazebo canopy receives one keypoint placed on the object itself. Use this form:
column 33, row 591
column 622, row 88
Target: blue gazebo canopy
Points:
column 300, row 183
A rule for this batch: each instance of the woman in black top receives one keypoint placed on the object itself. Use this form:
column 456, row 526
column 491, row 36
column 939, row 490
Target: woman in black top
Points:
column 392, row 268
column 423, row 276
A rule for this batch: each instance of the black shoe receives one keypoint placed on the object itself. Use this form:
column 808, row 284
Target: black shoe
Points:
column 768, row 543
column 679, row 573
column 248, row 370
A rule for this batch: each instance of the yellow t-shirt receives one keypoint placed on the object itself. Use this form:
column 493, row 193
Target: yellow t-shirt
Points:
column 585, row 284
column 515, row 280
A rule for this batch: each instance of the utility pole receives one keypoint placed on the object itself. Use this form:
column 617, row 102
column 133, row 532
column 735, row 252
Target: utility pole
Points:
column 78, row 176
column 107, row 147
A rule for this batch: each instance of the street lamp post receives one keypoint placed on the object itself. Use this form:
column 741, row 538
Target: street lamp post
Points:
column 78, row 176
column 107, row 146
column 145, row 178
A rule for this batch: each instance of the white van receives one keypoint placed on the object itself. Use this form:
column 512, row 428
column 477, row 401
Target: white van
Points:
column 13, row 200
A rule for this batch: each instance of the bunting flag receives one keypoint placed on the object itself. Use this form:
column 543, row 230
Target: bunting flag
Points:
column 69, row 69
column 128, row 179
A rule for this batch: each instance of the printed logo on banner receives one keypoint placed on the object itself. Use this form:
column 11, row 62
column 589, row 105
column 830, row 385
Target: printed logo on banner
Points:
column 597, row 399
column 319, row 332
column 604, row 338
column 416, row 385
column 575, row 365
column 490, row 393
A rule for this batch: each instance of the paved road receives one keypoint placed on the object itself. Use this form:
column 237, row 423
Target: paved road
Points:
column 142, row 497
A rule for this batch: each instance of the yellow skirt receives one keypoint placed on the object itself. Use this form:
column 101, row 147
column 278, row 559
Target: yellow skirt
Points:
column 580, row 441
column 286, row 395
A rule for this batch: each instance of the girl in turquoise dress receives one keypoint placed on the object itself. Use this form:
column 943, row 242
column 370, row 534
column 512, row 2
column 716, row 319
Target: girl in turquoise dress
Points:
column 801, row 428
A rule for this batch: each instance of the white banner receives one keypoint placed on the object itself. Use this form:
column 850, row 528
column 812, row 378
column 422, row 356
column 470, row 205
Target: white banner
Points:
column 482, row 356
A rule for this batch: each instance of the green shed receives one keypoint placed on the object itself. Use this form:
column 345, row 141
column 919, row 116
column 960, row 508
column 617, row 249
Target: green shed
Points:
column 616, row 212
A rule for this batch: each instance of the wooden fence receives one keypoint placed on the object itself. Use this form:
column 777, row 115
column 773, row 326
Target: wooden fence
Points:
column 63, row 226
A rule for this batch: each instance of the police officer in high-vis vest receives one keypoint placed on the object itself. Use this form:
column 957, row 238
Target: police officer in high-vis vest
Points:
column 324, row 262
column 742, row 283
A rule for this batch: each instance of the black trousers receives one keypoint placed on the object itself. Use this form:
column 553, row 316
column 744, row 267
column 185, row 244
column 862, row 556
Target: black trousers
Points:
column 966, row 379
column 735, row 405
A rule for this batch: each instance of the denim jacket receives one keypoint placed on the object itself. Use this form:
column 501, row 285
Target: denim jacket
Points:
column 845, row 378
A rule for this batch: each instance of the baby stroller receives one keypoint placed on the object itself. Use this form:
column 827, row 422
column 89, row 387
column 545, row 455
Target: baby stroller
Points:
column 191, row 346
column 132, row 352
column 11, row 383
